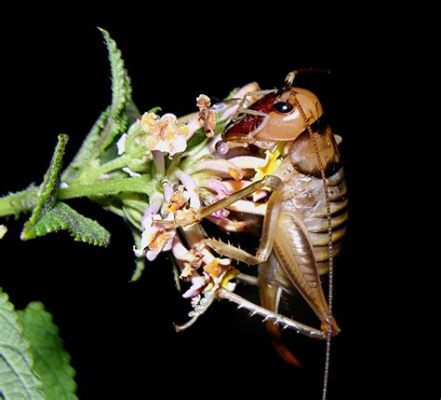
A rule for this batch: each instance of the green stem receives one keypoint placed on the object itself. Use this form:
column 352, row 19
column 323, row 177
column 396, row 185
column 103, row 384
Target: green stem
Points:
column 25, row 200
column 91, row 174
column 15, row 203
column 107, row 187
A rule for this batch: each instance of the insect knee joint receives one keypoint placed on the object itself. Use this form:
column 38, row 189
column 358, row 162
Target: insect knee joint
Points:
column 274, row 182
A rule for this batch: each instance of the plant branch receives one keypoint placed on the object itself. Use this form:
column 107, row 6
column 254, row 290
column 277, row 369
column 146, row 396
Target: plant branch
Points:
column 26, row 200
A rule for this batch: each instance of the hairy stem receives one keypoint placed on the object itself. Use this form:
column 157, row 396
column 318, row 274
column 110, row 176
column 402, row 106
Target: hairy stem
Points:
column 91, row 174
column 25, row 200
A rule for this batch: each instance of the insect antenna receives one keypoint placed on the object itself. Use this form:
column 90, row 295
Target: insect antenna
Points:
column 289, row 79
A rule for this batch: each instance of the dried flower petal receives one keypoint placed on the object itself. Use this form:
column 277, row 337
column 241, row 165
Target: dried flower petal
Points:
column 154, row 238
column 206, row 116
column 220, row 166
column 214, row 269
column 178, row 199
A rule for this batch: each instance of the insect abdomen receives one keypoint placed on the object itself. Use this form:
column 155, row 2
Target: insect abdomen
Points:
column 316, row 221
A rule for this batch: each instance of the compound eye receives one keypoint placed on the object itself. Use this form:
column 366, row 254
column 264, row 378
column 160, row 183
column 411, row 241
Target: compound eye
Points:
column 283, row 107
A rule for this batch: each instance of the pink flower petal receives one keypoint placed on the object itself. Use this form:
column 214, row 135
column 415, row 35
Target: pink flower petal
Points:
column 234, row 186
column 168, row 191
column 188, row 182
column 198, row 284
column 216, row 185
column 180, row 252
column 222, row 167
column 152, row 254
column 229, row 225
column 168, row 245
column 158, row 159
column 247, row 162
column 155, row 205
column 259, row 195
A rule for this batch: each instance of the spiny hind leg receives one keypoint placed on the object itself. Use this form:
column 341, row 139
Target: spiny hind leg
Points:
column 267, row 237
column 270, row 294
column 267, row 315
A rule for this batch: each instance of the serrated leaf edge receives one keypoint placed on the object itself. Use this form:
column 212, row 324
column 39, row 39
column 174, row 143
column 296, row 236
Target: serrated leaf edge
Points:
column 64, row 355
column 25, row 352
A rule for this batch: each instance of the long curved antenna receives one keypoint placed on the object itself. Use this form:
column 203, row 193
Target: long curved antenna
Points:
column 330, row 248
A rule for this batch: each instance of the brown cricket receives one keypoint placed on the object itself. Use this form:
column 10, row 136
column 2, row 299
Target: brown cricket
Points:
column 306, row 213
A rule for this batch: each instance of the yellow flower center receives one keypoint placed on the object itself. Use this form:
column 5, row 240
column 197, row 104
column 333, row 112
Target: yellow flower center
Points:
column 272, row 162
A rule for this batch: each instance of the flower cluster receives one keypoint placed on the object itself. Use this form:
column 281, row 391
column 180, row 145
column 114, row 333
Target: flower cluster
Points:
column 193, row 176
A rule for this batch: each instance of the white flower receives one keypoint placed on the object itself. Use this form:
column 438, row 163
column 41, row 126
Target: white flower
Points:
column 154, row 238
column 164, row 134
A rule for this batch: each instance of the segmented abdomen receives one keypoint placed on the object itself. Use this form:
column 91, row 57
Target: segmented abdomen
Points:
column 305, row 196
column 316, row 220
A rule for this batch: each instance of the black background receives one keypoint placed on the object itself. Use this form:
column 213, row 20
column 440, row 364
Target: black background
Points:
column 55, row 78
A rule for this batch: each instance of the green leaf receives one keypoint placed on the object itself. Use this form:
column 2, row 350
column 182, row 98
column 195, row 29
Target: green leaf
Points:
column 121, row 89
column 51, row 216
column 122, row 105
column 51, row 362
column 47, row 195
column 17, row 379
column 64, row 217
column 89, row 150
column 113, row 121
column 196, row 139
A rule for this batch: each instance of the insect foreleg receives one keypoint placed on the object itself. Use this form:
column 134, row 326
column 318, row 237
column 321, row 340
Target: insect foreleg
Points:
column 270, row 181
column 250, row 94
column 266, row 241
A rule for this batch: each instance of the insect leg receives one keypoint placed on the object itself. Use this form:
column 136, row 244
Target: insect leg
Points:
column 296, row 258
column 266, row 241
column 248, row 279
column 270, row 181
column 272, row 283
column 254, row 309
column 244, row 98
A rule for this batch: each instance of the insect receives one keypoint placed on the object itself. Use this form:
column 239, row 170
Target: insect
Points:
column 306, row 213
